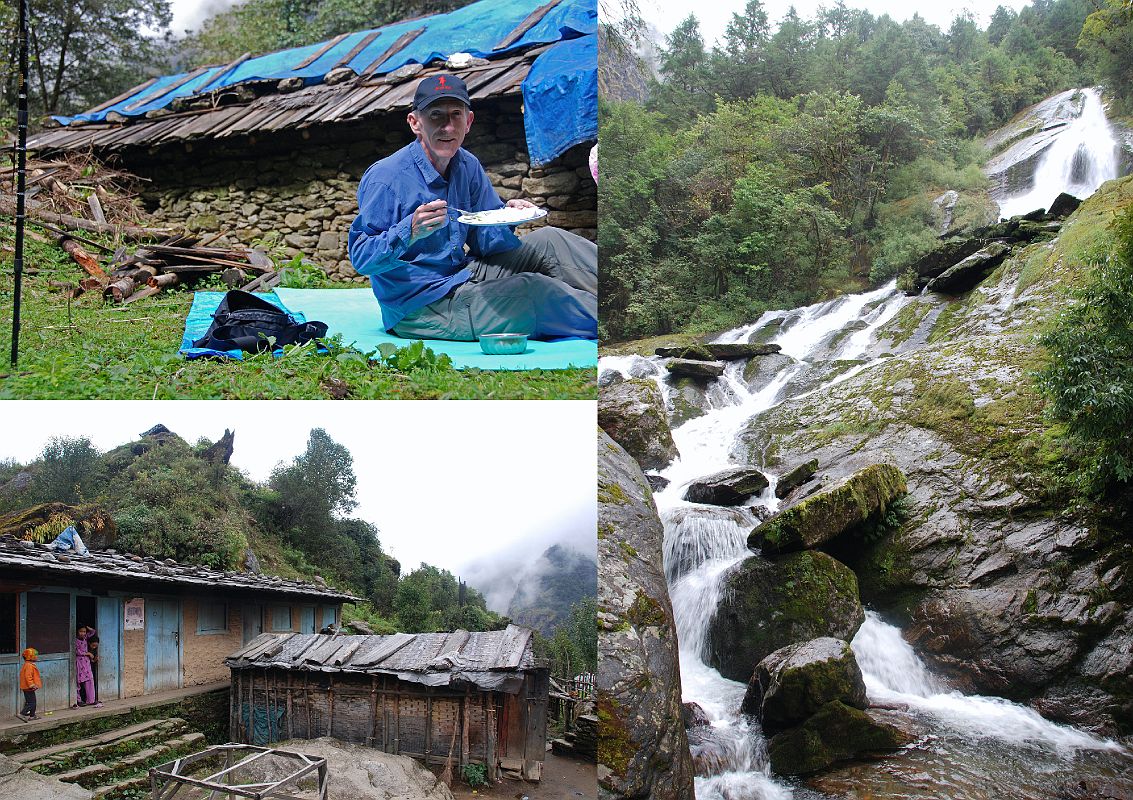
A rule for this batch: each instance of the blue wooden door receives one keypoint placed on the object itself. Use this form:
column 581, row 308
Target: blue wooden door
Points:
column 329, row 617
column 109, row 647
column 307, row 620
column 253, row 622
column 163, row 645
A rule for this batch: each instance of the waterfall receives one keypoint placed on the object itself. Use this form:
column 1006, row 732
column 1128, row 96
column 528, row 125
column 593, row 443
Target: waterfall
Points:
column 1083, row 156
column 703, row 543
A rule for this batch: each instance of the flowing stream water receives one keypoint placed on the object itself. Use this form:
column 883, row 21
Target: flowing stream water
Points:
column 971, row 748
column 702, row 543
column 1082, row 157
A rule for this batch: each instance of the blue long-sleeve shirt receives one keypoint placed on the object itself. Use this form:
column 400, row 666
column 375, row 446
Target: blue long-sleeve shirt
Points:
column 407, row 277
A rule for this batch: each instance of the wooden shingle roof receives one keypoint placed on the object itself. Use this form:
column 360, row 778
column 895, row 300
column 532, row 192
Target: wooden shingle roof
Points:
column 488, row 659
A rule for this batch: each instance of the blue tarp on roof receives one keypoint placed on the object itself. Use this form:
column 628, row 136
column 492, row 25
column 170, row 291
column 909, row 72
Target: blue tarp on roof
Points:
column 560, row 99
column 474, row 29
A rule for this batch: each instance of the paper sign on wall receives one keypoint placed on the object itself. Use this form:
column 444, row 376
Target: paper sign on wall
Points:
column 135, row 614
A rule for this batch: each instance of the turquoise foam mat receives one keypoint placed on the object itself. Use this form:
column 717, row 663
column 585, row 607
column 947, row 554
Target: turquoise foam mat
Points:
column 356, row 316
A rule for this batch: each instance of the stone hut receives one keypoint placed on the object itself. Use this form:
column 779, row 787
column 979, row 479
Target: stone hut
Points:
column 270, row 149
column 479, row 698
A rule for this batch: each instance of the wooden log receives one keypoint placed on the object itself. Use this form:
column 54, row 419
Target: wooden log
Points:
column 149, row 291
column 84, row 259
column 258, row 283
column 96, row 208
column 164, row 280
column 120, row 289
column 8, row 209
column 142, row 274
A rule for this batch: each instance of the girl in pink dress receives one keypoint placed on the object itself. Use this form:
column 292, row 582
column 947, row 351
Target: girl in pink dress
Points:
column 84, row 675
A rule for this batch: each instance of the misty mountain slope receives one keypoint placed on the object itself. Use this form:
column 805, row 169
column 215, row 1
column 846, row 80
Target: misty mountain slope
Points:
column 549, row 587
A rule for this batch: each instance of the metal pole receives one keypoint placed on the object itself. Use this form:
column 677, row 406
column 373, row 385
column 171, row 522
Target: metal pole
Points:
column 21, row 177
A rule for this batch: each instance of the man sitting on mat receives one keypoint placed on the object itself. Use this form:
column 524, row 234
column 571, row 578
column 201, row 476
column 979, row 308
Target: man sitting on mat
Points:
column 407, row 240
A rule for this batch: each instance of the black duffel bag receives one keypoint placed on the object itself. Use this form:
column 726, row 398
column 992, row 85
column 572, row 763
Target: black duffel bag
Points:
column 243, row 321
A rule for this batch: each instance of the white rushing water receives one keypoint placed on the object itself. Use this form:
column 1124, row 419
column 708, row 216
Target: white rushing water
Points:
column 702, row 543
column 1084, row 155
column 894, row 675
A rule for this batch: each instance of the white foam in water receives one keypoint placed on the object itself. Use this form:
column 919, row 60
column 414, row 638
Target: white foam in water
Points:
column 894, row 674
column 1082, row 158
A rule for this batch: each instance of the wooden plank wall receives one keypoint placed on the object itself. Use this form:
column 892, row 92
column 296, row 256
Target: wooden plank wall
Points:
column 377, row 711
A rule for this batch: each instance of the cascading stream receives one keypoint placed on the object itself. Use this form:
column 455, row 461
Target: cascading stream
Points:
column 1082, row 157
column 976, row 742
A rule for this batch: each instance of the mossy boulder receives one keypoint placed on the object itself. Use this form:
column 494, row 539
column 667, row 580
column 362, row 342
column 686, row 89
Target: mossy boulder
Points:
column 766, row 605
column 694, row 352
column 699, row 370
column 824, row 516
column 836, row 732
column 795, row 478
column 796, row 681
column 732, row 351
column 731, row 487
column 965, row 274
column 632, row 412
column 643, row 748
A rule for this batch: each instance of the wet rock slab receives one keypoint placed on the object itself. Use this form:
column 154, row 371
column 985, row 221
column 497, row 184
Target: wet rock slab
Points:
column 964, row 275
column 730, row 487
column 643, row 748
column 836, row 732
column 632, row 412
column 700, row 370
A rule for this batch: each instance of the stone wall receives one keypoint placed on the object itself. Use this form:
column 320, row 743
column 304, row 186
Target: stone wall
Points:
column 297, row 196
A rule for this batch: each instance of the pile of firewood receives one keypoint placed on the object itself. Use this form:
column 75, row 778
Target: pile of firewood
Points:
column 80, row 194
column 175, row 260
column 78, row 186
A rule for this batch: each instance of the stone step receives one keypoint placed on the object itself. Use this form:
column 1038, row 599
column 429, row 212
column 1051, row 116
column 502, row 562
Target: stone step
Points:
column 112, row 741
column 88, row 773
column 102, row 738
column 142, row 759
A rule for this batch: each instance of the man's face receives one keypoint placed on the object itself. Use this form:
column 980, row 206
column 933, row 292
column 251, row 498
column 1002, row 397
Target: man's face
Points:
column 441, row 128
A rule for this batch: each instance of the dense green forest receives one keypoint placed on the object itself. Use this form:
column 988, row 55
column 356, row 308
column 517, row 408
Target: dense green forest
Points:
column 800, row 160
column 163, row 497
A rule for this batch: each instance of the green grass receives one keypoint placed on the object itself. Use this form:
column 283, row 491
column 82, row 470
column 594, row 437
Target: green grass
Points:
column 84, row 349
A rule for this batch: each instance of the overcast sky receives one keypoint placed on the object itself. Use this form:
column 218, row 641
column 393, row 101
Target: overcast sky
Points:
column 476, row 487
column 189, row 14
column 714, row 16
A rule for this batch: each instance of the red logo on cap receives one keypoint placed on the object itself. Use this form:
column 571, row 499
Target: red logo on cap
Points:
column 440, row 84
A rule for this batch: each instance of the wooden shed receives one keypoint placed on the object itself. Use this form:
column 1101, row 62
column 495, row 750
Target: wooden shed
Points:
column 479, row 696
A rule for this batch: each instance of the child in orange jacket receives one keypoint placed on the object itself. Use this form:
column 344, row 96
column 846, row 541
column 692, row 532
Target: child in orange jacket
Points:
column 30, row 680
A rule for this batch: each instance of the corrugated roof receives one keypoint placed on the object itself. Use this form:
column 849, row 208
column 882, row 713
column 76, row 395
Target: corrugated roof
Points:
column 484, row 658
column 41, row 561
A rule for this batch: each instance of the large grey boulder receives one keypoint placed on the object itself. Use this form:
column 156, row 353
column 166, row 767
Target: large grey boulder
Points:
column 824, row 516
column 766, row 605
column 731, row 351
column 836, row 732
column 632, row 412
column 700, row 370
column 965, row 274
column 358, row 772
column 731, row 487
column 643, row 750
column 796, row 681
column 18, row 781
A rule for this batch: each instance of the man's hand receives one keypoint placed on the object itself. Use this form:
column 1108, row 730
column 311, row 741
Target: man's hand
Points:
column 520, row 203
column 428, row 219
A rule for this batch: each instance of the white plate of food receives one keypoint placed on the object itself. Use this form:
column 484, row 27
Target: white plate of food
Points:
column 502, row 216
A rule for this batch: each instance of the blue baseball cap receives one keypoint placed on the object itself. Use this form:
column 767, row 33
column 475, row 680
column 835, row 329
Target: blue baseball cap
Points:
column 436, row 87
